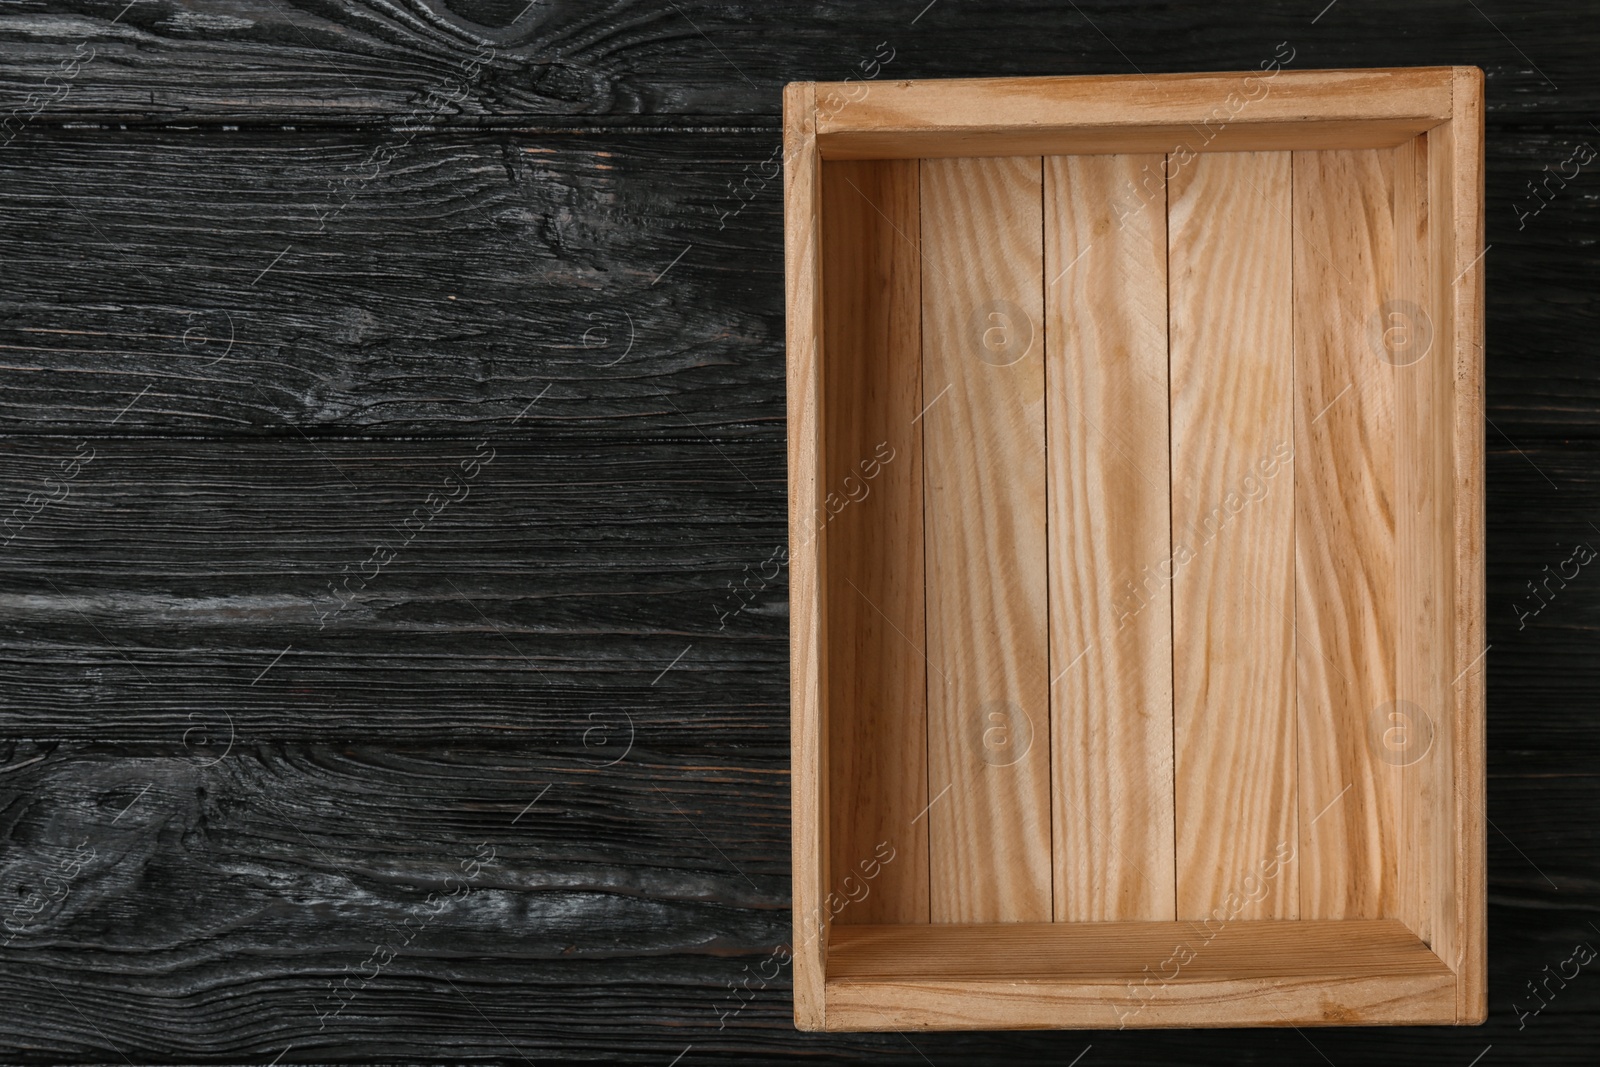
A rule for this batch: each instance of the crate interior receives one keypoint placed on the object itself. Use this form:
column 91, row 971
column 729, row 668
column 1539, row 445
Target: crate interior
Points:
column 1138, row 562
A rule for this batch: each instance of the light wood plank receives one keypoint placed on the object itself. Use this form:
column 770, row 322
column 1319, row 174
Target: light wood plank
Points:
column 807, row 667
column 1004, row 1004
column 984, row 440
column 1233, row 477
column 1469, row 685
column 1344, row 526
column 1121, row 951
column 1441, row 922
column 1133, row 974
column 1185, row 140
column 1415, row 743
column 1110, row 649
column 1241, row 111
column 872, row 505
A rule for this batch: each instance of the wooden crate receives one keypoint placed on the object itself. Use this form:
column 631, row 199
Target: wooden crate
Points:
column 1136, row 534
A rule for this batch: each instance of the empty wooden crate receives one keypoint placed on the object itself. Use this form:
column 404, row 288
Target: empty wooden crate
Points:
column 1136, row 535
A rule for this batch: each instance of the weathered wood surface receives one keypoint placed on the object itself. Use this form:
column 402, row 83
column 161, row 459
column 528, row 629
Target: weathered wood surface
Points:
column 365, row 768
column 349, row 282
column 664, row 62
column 559, row 581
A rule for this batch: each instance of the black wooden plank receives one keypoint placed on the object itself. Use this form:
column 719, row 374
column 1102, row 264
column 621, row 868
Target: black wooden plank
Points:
column 1543, row 504
column 1542, row 209
column 417, row 588
column 488, row 59
column 178, row 906
column 360, row 282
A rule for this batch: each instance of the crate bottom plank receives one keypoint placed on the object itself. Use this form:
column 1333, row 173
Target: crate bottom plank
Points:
column 1134, row 974
column 997, row 1004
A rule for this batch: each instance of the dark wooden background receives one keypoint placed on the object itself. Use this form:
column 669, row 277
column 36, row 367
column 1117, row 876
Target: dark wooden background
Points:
column 270, row 272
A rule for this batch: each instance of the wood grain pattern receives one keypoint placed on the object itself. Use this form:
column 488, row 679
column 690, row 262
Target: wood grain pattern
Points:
column 642, row 62
column 1110, row 652
column 1469, row 684
column 1118, row 952
column 1007, row 1004
column 1233, row 522
column 353, row 853
column 1243, row 111
column 1109, row 974
column 1417, row 750
column 808, row 576
column 1181, row 139
column 556, row 585
column 984, row 463
column 872, row 506
column 1439, row 808
column 349, row 282
column 1344, row 529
